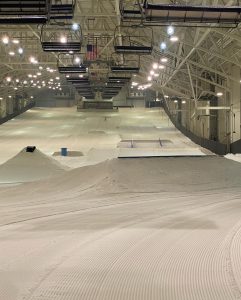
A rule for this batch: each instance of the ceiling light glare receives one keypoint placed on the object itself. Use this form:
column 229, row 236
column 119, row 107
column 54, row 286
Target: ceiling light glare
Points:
column 40, row 68
column 155, row 66
column 161, row 67
column 63, row 39
column 15, row 88
column 81, row 76
column 174, row 39
column 39, row 73
column 8, row 79
column 31, row 97
column 17, row 80
column 15, row 41
column 170, row 30
column 57, row 78
column 163, row 46
column 183, row 101
column 156, row 74
column 75, row 26
column 20, row 50
column 134, row 83
column 32, row 59
column 9, row 96
column 11, row 53
column 219, row 94
column 166, row 96
column 5, row 40
column 175, row 101
column 25, row 82
column 164, row 60
column 152, row 72
column 77, row 60
column 149, row 78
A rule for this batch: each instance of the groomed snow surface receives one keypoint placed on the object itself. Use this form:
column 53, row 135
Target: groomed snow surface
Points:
column 119, row 229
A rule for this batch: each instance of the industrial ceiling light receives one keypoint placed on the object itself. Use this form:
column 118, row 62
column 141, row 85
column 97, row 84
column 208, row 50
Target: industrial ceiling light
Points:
column 183, row 101
column 152, row 72
column 156, row 74
column 15, row 41
column 9, row 79
column 175, row 101
column 17, row 80
column 219, row 94
column 40, row 68
column 75, row 26
column 164, row 60
column 174, row 39
column 149, row 78
column 32, row 59
column 77, row 60
column 63, row 39
column 161, row 67
column 134, row 83
column 9, row 96
column 170, row 30
column 166, row 96
column 163, row 46
column 39, row 73
column 5, row 40
column 11, row 53
column 20, row 50
column 155, row 66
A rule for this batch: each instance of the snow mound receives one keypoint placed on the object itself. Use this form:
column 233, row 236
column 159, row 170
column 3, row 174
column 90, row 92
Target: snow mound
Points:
column 235, row 157
column 29, row 166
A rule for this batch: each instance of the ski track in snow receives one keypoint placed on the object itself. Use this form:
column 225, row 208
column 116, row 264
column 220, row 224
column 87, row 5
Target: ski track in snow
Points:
column 123, row 229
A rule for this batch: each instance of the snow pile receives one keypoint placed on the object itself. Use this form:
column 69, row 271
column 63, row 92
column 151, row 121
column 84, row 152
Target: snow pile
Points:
column 235, row 157
column 29, row 166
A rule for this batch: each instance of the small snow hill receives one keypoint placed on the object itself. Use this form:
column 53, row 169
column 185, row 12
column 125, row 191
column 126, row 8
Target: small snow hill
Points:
column 29, row 166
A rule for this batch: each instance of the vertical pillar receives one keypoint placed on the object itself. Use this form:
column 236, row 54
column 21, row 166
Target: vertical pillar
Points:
column 9, row 106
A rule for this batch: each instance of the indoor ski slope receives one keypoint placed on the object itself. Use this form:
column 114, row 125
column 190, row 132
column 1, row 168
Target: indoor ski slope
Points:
column 123, row 229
